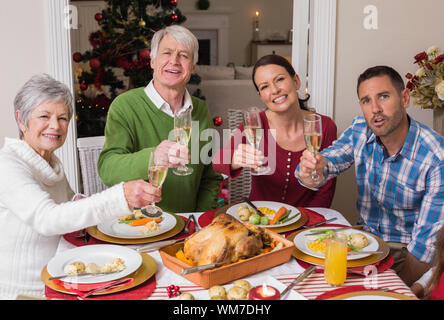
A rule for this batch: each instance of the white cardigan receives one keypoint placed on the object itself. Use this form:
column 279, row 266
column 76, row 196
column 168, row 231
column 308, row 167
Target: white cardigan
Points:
column 35, row 210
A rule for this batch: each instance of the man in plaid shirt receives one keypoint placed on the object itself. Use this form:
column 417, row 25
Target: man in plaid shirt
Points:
column 399, row 165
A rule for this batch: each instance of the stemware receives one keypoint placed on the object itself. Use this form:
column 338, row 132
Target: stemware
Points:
column 254, row 134
column 182, row 132
column 313, row 137
column 157, row 172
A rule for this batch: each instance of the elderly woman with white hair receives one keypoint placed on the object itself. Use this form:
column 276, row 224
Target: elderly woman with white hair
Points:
column 141, row 120
column 35, row 197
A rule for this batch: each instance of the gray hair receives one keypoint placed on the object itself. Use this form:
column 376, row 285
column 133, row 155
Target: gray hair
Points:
column 37, row 90
column 181, row 35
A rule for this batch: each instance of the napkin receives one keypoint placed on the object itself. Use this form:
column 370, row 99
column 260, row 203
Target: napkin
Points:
column 291, row 295
column 313, row 216
column 142, row 291
column 206, row 218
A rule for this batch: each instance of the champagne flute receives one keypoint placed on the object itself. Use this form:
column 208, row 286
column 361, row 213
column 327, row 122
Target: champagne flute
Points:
column 254, row 133
column 157, row 172
column 182, row 131
column 313, row 137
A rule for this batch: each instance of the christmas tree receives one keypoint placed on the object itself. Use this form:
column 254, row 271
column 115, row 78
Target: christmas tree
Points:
column 122, row 43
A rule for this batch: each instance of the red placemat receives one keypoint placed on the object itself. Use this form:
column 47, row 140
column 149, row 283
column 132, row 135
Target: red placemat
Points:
column 71, row 237
column 142, row 291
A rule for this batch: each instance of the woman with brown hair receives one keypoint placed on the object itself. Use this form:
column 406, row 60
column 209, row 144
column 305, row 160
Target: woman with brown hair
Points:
column 277, row 84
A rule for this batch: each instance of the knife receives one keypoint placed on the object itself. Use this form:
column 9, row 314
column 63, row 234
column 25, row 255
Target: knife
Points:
column 254, row 207
column 150, row 247
column 320, row 223
column 301, row 277
column 186, row 271
column 82, row 274
column 334, row 230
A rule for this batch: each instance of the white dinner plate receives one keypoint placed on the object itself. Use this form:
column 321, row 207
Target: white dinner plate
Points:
column 301, row 242
column 116, row 229
column 268, row 204
column 99, row 254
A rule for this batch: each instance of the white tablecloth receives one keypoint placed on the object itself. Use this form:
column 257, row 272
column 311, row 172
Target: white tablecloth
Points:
column 284, row 273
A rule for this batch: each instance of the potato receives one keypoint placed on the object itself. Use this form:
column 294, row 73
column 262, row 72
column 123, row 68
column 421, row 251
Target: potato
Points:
column 244, row 214
column 77, row 267
column 186, row 296
column 92, row 268
column 237, row 293
column 242, row 284
column 217, row 291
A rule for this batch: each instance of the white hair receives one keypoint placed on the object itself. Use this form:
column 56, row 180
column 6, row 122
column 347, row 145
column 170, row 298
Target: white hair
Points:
column 182, row 35
column 37, row 90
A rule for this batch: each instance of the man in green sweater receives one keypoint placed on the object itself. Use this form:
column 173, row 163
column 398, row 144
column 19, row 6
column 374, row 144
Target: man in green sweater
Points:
column 142, row 120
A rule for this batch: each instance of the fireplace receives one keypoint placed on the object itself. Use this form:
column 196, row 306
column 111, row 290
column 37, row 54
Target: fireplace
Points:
column 211, row 30
column 207, row 46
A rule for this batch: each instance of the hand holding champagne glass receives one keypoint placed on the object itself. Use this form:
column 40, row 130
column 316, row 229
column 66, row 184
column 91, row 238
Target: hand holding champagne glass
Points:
column 182, row 132
column 313, row 137
column 254, row 133
column 157, row 172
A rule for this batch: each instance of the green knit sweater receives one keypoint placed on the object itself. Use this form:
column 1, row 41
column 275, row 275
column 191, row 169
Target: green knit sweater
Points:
column 134, row 127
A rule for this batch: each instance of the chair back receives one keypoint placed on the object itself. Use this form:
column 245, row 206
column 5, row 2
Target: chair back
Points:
column 240, row 187
column 89, row 151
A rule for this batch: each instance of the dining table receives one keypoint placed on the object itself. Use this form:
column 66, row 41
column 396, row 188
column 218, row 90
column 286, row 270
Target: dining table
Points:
column 313, row 287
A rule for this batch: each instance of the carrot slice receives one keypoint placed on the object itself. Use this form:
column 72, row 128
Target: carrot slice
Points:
column 278, row 215
column 143, row 221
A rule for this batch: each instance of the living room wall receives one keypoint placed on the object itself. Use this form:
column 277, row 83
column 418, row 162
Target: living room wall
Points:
column 274, row 17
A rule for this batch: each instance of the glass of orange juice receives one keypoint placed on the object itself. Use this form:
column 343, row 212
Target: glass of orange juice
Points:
column 335, row 271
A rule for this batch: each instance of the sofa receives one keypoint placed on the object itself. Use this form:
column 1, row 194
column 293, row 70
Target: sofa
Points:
column 226, row 88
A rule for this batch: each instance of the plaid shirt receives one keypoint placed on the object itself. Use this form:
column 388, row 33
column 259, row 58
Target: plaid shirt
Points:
column 401, row 197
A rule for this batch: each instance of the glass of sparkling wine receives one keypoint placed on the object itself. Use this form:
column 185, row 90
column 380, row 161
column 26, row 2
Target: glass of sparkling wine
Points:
column 335, row 269
column 313, row 137
column 254, row 133
column 182, row 132
column 157, row 172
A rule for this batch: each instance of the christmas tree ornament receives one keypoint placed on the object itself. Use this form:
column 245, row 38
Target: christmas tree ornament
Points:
column 144, row 53
column 217, row 121
column 94, row 63
column 174, row 17
column 77, row 56
column 98, row 16
column 142, row 23
column 173, row 2
column 83, row 86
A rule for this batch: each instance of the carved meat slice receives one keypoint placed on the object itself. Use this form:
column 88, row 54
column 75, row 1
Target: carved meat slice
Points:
column 225, row 239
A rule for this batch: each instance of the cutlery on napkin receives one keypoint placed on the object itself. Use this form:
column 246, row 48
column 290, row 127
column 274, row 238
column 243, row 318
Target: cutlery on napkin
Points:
column 107, row 286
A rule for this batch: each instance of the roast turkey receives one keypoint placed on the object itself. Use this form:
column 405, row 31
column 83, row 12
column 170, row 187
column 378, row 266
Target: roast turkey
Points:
column 225, row 239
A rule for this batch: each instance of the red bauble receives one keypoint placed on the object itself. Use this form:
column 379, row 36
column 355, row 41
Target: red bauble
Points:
column 83, row 86
column 217, row 121
column 174, row 17
column 98, row 16
column 77, row 57
column 144, row 54
column 94, row 63
column 173, row 2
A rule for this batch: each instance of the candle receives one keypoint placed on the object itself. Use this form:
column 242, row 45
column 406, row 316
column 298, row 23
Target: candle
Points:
column 264, row 292
column 256, row 27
